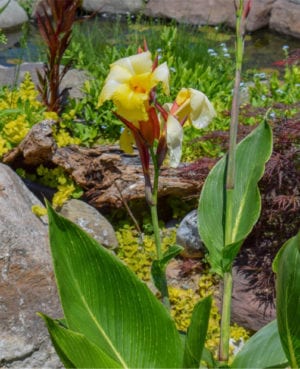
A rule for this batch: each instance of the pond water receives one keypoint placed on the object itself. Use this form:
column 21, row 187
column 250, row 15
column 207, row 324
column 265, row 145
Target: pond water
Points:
column 262, row 48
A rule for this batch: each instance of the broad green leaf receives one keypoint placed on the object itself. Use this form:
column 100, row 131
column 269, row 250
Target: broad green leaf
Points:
column 196, row 334
column 159, row 266
column 75, row 350
column 208, row 358
column 262, row 350
column 170, row 253
column 288, row 299
column 104, row 301
column 251, row 156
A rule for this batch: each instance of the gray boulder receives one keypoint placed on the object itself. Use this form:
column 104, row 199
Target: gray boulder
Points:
column 13, row 16
column 26, row 279
column 259, row 15
column 27, row 283
column 113, row 6
column 201, row 12
column 90, row 220
column 188, row 237
column 285, row 17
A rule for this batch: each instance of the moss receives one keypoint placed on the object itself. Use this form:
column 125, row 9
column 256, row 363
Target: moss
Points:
column 138, row 254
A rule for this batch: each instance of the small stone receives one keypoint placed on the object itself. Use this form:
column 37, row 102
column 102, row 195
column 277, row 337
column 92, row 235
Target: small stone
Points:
column 91, row 221
column 188, row 237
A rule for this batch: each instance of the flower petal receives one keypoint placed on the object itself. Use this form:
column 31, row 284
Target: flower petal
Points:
column 126, row 141
column 117, row 76
column 162, row 74
column 202, row 111
column 136, row 64
column 130, row 105
column 174, row 140
column 195, row 106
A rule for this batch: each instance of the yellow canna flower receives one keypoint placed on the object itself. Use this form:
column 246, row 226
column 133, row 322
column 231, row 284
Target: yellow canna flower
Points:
column 193, row 105
column 129, row 84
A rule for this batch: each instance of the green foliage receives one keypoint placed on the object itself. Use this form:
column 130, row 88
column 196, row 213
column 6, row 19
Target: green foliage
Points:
column 27, row 5
column 195, row 340
column 288, row 298
column 108, row 305
column 158, row 268
column 263, row 350
column 251, row 155
column 3, row 38
column 269, row 92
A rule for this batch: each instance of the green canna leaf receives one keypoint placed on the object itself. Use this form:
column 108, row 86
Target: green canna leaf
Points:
column 196, row 335
column 262, row 350
column 159, row 266
column 75, row 350
column 287, row 266
column 251, row 156
column 106, row 303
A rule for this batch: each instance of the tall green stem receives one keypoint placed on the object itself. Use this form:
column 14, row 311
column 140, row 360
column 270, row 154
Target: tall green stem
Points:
column 230, row 184
column 156, row 230
column 225, row 319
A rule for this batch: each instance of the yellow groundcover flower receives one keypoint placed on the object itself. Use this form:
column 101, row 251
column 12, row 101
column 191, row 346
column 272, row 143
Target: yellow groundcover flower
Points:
column 129, row 84
column 15, row 130
column 51, row 115
column 3, row 146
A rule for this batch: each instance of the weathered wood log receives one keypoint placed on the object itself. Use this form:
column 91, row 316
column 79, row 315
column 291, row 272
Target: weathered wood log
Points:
column 109, row 177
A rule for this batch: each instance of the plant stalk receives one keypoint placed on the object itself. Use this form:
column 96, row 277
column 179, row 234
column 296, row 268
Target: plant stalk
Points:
column 156, row 230
column 230, row 184
column 225, row 319
column 240, row 25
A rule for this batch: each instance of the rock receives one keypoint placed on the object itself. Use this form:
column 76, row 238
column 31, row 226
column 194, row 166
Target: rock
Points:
column 90, row 220
column 188, row 237
column 259, row 15
column 113, row 6
column 13, row 16
column 247, row 311
column 26, row 284
column 280, row 15
column 73, row 80
column 36, row 148
column 285, row 17
column 201, row 12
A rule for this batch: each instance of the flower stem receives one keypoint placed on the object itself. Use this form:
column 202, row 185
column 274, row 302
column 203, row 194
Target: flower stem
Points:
column 225, row 319
column 156, row 230
column 230, row 184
